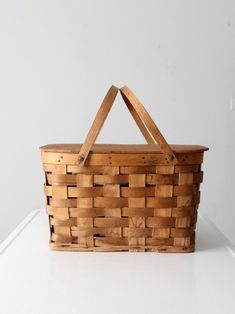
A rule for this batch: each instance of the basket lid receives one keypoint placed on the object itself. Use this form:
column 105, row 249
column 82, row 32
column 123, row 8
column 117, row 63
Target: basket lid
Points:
column 122, row 148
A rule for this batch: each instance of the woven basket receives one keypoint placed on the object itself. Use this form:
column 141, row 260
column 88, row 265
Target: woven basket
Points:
column 103, row 197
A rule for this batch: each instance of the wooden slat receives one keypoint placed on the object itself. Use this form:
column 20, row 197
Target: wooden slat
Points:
column 111, row 222
column 85, row 181
column 64, row 223
column 134, row 192
column 111, row 179
column 101, row 231
column 183, row 211
column 70, row 179
column 183, row 200
column 62, row 239
column 137, row 169
column 161, row 179
column 159, row 242
column 137, row 191
column 137, row 212
column 161, row 232
column 133, row 232
column 121, row 148
column 93, row 169
column 161, row 202
column 181, row 232
column 85, row 191
column 55, row 168
column 160, row 222
column 149, row 248
column 62, row 202
column 111, row 202
column 95, row 212
column 111, row 241
column 187, row 189
column 186, row 168
column 152, row 202
column 119, row 159
column 61, row 179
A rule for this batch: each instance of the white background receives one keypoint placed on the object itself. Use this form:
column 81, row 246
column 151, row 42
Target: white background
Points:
column 58, row 58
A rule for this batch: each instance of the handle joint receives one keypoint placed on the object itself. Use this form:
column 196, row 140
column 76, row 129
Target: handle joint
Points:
column 81, row 158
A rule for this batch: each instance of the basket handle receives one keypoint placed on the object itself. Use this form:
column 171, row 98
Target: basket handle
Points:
column 151, row 126
column 100, row 119
column 141, row 117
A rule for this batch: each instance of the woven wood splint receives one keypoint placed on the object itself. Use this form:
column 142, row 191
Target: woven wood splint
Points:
column 104, row 197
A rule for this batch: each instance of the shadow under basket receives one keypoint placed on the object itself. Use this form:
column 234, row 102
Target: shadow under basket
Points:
column 107, row 197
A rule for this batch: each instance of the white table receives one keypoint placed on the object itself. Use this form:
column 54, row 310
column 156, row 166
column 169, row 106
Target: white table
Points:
column 35, row 280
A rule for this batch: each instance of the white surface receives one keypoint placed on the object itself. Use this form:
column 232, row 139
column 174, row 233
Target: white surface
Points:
column 35, row 280
column 58, row 58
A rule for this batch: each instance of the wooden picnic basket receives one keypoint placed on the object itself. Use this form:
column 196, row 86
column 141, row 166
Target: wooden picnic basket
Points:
column 104, row 197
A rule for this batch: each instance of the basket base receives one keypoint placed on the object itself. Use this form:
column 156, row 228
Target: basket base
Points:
column 158, row 249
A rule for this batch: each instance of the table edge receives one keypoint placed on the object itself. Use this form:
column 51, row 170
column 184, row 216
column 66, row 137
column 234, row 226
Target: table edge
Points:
column 16, row 232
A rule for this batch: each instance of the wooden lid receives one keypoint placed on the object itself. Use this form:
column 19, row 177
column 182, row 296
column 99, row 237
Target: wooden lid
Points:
column 122, row 148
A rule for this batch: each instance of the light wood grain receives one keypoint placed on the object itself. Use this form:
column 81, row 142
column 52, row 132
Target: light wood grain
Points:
column 125, row 197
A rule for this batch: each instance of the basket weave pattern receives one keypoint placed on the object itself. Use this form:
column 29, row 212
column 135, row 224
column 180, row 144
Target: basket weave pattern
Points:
column 123, row 198
column 135, row 208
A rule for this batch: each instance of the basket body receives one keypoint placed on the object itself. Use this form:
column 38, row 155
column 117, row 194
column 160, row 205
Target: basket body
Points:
column 125, row 198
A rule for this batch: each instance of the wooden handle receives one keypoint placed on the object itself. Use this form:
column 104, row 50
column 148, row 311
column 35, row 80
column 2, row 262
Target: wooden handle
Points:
column 100, row 119
column 141, row 117
column 97, row 124
column 139, row 122
column 153, row 129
